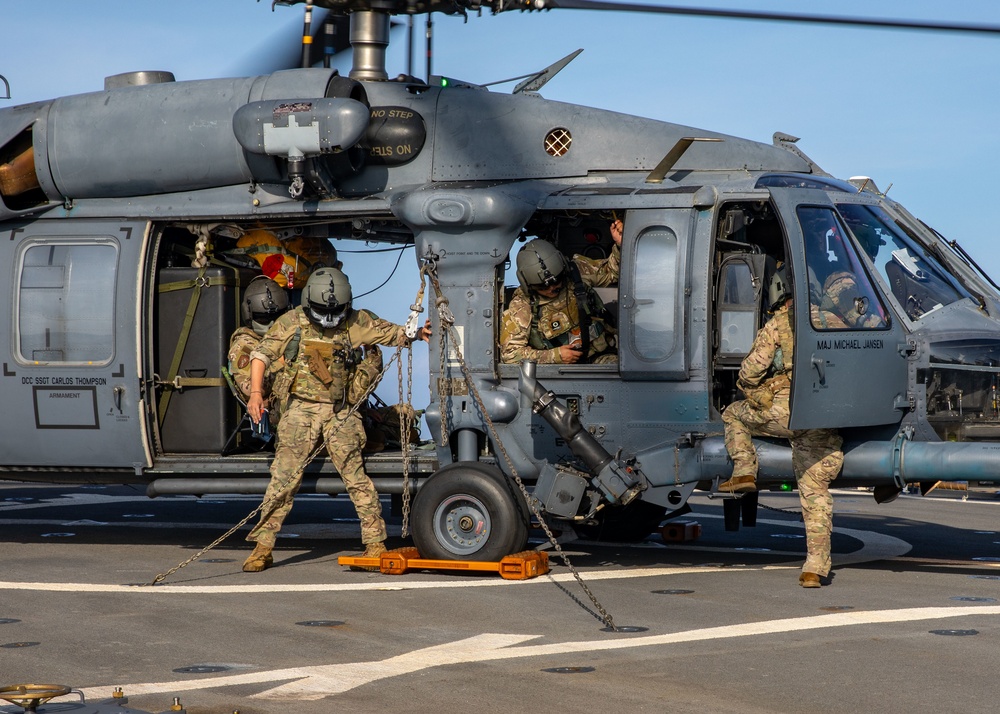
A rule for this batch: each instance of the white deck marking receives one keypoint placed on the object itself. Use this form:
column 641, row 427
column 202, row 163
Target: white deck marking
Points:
column 320, row 681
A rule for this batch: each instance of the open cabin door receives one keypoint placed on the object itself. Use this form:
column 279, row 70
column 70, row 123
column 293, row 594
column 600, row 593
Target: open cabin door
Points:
column 849, row 367
column 70, row 386
column 653, row 293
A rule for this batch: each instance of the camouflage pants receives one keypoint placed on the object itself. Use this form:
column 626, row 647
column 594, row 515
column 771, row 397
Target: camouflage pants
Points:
column 302, row 427
column 816, row 461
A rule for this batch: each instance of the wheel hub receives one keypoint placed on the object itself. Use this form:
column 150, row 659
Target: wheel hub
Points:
column 462, row 524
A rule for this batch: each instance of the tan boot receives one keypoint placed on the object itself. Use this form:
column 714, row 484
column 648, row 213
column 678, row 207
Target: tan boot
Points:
column 259, row 559
column 738, row 484
column 372, row 550
column 809, row 580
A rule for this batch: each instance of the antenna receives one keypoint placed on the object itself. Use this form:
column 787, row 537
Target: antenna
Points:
column 538, row 80
column 430, row 36
column 307, row 36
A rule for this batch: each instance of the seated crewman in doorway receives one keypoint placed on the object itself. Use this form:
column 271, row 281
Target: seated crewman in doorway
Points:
column 555, row 316
column 263, row 302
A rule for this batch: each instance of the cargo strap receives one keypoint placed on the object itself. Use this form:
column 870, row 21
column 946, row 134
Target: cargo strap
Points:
column 181, row 382
column 200, row 281
column 173, row 381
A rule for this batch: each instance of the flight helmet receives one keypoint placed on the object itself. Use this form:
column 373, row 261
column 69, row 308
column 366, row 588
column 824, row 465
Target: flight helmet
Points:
column 263, row 302
column 327, row 297
column 540, row 265
column 779, row 288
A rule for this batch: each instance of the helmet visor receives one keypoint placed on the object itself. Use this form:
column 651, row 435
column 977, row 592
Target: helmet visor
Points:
column 265, row 318
column 325, row 316
column 550, row 281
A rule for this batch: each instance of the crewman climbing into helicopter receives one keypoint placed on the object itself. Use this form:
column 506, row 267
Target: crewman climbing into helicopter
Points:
column 319, row 341
column 555, row 316
column 765, row 379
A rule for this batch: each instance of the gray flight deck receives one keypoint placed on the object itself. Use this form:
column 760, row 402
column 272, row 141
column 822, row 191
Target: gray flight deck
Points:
column 911, row 621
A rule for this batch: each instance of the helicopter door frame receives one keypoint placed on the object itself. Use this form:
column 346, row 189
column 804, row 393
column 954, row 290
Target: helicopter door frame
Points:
column 71, row 363
column 854, row 376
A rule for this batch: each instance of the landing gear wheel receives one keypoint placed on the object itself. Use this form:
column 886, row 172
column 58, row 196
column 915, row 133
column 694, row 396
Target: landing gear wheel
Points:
column 626, row 524
column 469, row 511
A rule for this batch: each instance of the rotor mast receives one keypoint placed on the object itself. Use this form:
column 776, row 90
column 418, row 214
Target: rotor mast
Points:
column 369, row 40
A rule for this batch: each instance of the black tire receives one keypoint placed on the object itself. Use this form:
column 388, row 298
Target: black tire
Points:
column 469, row 511
column 625, row 524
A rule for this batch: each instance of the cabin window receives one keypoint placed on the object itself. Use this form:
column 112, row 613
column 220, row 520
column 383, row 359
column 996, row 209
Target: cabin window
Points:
column 66, row 303
column 739, row 290
column 841, row 295
column 653, row 317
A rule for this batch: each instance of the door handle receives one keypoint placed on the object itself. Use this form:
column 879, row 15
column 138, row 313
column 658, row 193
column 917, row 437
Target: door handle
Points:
column 820, row 364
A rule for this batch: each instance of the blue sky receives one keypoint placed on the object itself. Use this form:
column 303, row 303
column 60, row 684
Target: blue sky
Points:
column 916, row 110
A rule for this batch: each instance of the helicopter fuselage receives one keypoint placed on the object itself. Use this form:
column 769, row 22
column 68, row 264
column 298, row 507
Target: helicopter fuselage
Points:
column 112, row 342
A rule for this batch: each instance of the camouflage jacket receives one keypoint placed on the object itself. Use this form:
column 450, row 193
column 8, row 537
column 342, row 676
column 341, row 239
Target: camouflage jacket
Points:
column 840, row 295
column 243, row 342
column 322, row 363
column 557, row 317
column 769, row 362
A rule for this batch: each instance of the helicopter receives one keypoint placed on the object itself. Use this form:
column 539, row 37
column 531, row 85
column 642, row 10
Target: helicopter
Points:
column 125, row 187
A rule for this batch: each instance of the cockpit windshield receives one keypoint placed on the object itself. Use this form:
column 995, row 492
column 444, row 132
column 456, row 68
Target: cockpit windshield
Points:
column 916, row 279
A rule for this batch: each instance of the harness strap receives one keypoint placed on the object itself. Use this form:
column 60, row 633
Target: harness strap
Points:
column 175, row 363
column 582, row 309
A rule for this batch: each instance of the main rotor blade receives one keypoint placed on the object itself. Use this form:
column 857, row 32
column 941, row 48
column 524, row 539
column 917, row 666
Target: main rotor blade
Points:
column 753, row 15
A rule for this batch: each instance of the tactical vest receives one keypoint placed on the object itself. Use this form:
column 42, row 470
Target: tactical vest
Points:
column 322, row 366
column 587, row 327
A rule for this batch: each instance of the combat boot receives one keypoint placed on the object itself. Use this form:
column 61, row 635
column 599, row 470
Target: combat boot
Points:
column 809, row 580
column 372, row 550
column 259, row 559
column 739, row 484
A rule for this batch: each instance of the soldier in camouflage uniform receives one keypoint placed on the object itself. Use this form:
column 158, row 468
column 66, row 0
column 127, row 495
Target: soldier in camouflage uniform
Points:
column 833, row 286
column 765, row 378
column 263, row 302
column 544, row 321
column 319, row 341
column 842, row 297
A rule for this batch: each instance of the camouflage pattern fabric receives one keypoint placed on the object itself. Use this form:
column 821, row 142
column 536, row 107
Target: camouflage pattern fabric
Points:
column 360, row 329
column 382, row 426
column 302, row 427
column 366, row 375
column 312, row 414
column 826, row 320
column 816, row 453
column 275, row 388
column 840, row 293
column 558, row 316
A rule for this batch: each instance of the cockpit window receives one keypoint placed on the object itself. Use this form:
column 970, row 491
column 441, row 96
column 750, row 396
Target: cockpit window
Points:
column 804, row 181
column 915, row 278
column 841, row 295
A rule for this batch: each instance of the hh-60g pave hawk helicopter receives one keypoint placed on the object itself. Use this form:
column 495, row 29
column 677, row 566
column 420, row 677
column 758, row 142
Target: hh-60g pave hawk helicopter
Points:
column 113, row 342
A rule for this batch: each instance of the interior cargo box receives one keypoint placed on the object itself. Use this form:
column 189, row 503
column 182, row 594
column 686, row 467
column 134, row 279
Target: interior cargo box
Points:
column 198, row 419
